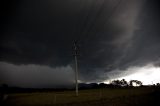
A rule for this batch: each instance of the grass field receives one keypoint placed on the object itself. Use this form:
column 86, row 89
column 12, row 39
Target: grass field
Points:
column 92, row 97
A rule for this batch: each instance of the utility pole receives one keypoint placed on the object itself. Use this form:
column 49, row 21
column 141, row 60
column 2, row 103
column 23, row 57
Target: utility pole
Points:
column 76, row 66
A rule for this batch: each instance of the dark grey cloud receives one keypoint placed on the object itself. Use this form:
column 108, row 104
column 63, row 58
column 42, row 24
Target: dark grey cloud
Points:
column 145, row 42
column 36, row 76
column 112, row 34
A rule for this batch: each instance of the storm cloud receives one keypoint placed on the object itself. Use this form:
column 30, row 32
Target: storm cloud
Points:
column 112, row 35
column 36, row 75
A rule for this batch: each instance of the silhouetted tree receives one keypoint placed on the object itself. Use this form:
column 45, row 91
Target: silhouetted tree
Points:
column 116, row 82
column 158, row 84
column 124, row 82
column 138, row 83
column 121, row 83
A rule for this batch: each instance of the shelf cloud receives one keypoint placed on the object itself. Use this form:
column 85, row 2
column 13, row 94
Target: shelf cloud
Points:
column 112, row 35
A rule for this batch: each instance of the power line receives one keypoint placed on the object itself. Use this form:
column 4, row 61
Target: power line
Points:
column 87, row 29
column 114, row 10
column 80, row 23
column 86, row 33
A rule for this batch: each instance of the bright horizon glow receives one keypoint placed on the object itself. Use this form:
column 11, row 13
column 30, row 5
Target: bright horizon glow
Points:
column 148, row 74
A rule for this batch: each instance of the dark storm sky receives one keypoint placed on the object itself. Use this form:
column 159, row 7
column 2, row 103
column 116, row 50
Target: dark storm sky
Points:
column 37, row 39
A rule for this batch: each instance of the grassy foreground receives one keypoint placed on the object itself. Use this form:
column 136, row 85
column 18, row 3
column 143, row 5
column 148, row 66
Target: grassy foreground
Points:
column 93, row 97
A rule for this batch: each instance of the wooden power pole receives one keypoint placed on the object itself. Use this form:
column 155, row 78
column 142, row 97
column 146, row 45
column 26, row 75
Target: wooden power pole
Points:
column 76, row 66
